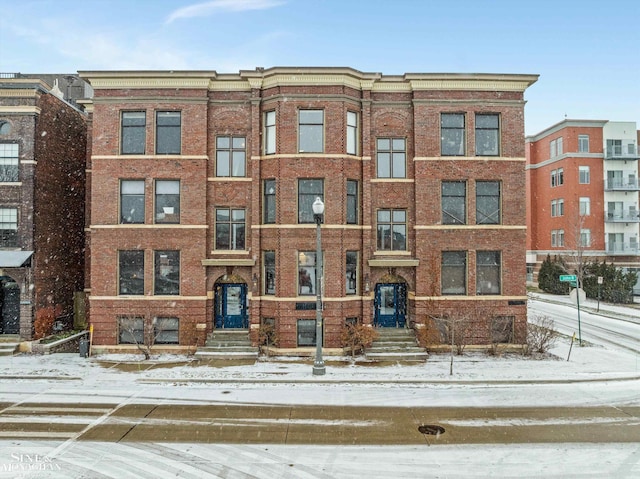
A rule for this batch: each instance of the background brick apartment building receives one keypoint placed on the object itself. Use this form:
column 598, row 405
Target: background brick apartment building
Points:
column 583, row 193
column 201, row 187
column 42, row 194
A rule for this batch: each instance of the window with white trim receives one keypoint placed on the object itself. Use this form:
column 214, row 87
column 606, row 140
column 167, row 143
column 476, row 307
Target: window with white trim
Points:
column 231, row 156
column 270, row 132
column 352, row 133
column 9, row 162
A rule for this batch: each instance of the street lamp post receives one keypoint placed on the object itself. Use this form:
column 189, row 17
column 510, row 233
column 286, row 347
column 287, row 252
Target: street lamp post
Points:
column 318, row 211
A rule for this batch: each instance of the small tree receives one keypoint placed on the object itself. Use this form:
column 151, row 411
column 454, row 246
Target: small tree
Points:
column 357, row 336
column 541, row 335
column 267, row 336
column 549, row 276
column 143, row 339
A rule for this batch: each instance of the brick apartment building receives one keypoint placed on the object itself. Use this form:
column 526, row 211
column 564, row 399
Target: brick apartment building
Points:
column 42, row 195
column 201, row 187
column 583, row 193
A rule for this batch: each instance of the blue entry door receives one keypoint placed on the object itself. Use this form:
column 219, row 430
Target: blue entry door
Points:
column 391, row 305
column 231, row 306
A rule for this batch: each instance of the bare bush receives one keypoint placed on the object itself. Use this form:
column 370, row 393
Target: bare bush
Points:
column 357, row 336
column 541, row 335
column 267, row 336
column 136, row 330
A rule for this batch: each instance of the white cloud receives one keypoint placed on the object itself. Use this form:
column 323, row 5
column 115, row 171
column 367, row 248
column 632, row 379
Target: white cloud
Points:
column 209, row 8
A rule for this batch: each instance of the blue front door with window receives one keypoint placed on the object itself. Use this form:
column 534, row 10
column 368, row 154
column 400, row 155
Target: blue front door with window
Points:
column 391, row 305
column 231, row 306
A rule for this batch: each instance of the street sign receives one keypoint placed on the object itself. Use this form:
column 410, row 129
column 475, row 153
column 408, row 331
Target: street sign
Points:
column 568, row 277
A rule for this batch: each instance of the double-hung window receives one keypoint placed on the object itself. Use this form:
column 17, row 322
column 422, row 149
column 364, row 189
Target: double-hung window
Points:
column 230, row 228
column 130, row 330
column 557, row 207
column 270, row 132
column 352, row 133
column 487, row 134
column 167, row 205
column 488, row 203
column 583, row 143
column 452, row 137
column 166, row 330
column 311, row 131
column 453, row 273
column 352, row 202
column 454, row 203
column 392, row 230
column 231, row 156
column 166, row 273
column 131, row 201
column 269, row 272
column 585, row 237
column 131, row 272
column 488, row 272
column 306, row 332
column 584, row 175
column 168, row 132
column 307, row 267
column 8, row 227
column 133, row 135
column 269, row 202
column 557, row 177
column 8, row 162
column 585, row 206
column 391, row 157
column 308, row 191
column 351, row 268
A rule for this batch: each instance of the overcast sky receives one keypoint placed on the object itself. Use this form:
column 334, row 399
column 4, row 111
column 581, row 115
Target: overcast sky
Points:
column 586, row 53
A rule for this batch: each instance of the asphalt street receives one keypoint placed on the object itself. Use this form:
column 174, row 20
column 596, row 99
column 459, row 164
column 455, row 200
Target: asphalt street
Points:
column 330, row 425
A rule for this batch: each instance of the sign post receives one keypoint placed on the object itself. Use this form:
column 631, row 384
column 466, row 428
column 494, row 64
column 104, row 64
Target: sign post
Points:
column 600, row 281
column 572, row 279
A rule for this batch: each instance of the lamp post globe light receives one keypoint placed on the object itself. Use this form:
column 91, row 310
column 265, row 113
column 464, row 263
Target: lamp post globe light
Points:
column 318, row 211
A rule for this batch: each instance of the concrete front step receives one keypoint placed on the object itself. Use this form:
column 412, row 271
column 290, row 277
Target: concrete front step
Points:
column 228, row 344
column 418, row 356
column 396, row 344
column 9, row 349
column 204, row 353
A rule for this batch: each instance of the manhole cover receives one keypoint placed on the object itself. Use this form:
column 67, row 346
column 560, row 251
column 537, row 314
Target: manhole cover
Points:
column 431, row 429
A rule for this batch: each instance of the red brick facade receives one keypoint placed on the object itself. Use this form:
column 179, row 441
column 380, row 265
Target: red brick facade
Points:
column 608, row 182
column 405, row 107
column 48, row 194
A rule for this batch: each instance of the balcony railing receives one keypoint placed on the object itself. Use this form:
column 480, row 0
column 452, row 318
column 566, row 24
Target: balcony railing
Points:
column 627, row 151
column 623, row 248
column 620, row 216
column 621, row 185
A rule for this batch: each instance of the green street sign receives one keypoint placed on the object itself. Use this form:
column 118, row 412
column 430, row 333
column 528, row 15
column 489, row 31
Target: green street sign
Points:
column 568, row 277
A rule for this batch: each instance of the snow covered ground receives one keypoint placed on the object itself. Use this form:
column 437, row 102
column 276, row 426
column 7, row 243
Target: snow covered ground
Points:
column 593, row 375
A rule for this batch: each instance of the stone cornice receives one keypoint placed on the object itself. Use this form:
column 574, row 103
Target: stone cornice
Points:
column 20, row 110
column 105, row 80
column 307, row 76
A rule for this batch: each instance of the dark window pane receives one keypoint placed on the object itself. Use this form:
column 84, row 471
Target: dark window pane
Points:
column 133, row 132
column 306, row 332
column 454, row 202
column 167, row 273
column 453, row 276
column 308, row 191
column 131, row 272
column 269, row 272
column 168, row 135
column 269, row 206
